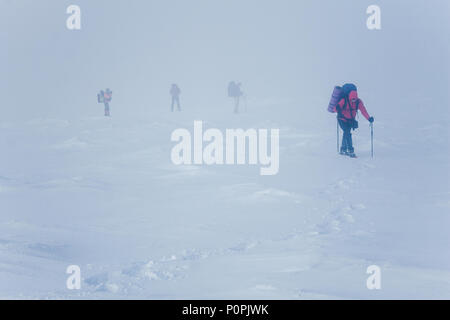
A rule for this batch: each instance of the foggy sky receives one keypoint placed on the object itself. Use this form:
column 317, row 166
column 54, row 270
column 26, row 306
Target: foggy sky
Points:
column 295, row 50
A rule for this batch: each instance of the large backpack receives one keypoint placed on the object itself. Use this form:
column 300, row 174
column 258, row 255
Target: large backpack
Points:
column 101, row 97
column 340, row 93
column 232, row 89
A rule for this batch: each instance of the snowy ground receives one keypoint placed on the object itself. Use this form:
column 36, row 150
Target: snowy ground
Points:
column 103, row 194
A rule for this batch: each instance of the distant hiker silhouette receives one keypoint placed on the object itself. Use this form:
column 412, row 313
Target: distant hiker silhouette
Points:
column 175, row 93
column 235, row 92
column 346, row 103
column 105, row 97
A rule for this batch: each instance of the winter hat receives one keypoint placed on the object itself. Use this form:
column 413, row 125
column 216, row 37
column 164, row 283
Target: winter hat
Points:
column 347, row 88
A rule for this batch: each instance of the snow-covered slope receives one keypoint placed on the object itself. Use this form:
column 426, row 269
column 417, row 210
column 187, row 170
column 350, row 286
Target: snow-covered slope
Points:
column 103, row 194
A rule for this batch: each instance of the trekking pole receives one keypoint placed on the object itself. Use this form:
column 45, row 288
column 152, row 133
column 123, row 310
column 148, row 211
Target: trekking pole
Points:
column 371, row 138
column 337, row 134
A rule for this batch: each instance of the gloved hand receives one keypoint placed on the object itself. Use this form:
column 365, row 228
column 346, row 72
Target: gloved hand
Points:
column 371, row 119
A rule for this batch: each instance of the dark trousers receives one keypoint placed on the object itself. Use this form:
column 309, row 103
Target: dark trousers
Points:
column 106, row 109
column 177, row 100
column 347, row 144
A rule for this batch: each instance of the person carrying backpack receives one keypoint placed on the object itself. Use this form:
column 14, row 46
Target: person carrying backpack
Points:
column 175, row 93
column 235, row 92
column 345, row 103
column 105, row 97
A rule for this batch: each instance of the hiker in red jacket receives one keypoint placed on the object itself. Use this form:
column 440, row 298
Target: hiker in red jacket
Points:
column 347, row 108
